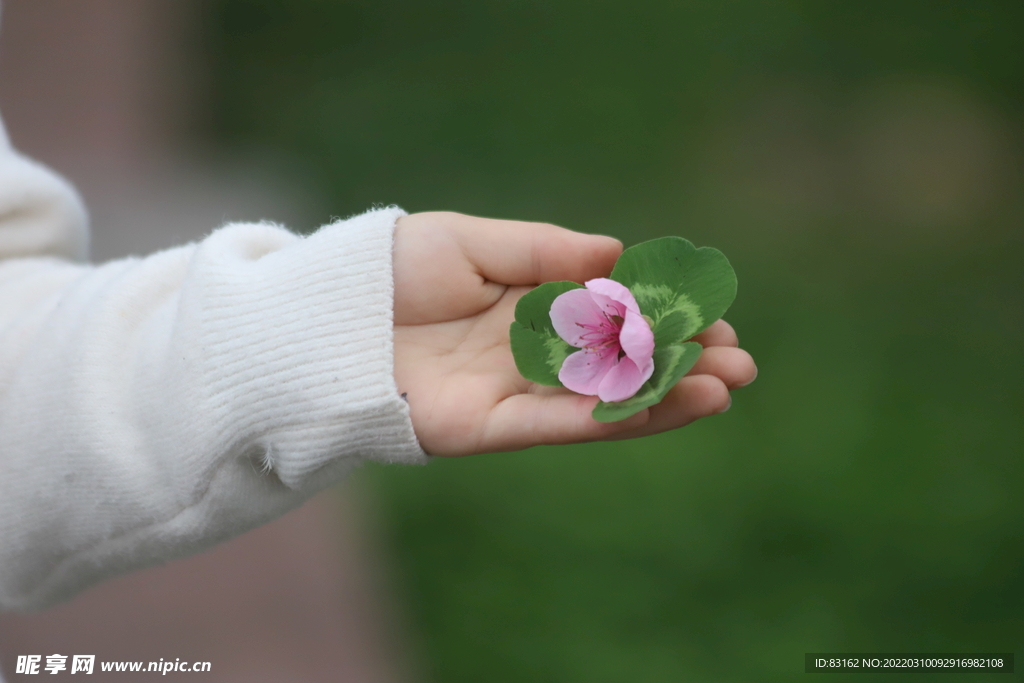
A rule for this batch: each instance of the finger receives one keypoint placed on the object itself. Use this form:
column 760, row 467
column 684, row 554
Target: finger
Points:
column 733, row 366
column 720, row 333
column 692, row 398
column 529, row 420
column 521, row 253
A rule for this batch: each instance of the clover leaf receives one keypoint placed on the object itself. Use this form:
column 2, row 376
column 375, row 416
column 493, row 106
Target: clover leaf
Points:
column 680, row 291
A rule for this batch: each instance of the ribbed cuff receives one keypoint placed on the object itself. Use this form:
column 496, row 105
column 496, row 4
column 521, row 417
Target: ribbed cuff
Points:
column 297, row 345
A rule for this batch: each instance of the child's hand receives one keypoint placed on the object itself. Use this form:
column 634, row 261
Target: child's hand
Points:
column 457, row 280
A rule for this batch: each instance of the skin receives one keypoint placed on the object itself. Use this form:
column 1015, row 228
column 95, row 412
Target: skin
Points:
column 457, row 281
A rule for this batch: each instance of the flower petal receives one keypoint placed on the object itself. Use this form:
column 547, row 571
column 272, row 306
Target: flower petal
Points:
column 622, row 381
column 637, row 339
column 572, row 309
column 584, row 371
column 609, row 306
column 614, row 290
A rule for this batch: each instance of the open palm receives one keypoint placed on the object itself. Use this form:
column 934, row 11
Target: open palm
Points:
column 457, row 281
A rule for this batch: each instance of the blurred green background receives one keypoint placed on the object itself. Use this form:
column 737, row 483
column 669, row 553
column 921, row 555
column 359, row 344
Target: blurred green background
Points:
column 859, row 163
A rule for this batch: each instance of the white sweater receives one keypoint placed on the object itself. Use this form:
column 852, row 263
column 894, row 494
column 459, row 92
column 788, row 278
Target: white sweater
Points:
column 152, row 407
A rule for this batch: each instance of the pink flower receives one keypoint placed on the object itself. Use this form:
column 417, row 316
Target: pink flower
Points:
column 617, row 343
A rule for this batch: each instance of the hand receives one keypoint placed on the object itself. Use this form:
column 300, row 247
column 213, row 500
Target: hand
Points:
column 457, row 281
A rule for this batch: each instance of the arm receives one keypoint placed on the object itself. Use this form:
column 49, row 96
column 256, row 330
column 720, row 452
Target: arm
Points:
column 152, row 407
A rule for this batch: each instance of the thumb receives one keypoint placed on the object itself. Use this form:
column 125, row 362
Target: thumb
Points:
column 523, row 253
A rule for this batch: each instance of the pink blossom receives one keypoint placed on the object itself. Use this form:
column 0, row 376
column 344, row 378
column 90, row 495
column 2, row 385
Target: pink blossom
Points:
column 617, row 343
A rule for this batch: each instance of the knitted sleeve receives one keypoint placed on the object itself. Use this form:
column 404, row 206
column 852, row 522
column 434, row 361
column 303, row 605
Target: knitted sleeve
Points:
column 152, row 407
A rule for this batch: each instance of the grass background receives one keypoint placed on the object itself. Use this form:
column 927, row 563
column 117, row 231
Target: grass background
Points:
column 859, row 163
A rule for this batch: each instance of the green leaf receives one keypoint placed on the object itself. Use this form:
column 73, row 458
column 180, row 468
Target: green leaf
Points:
column 681, row 288
column 671, row 363
column 537, row 349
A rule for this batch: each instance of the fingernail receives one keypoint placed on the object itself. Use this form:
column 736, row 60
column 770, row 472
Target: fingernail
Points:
column 727, row 406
